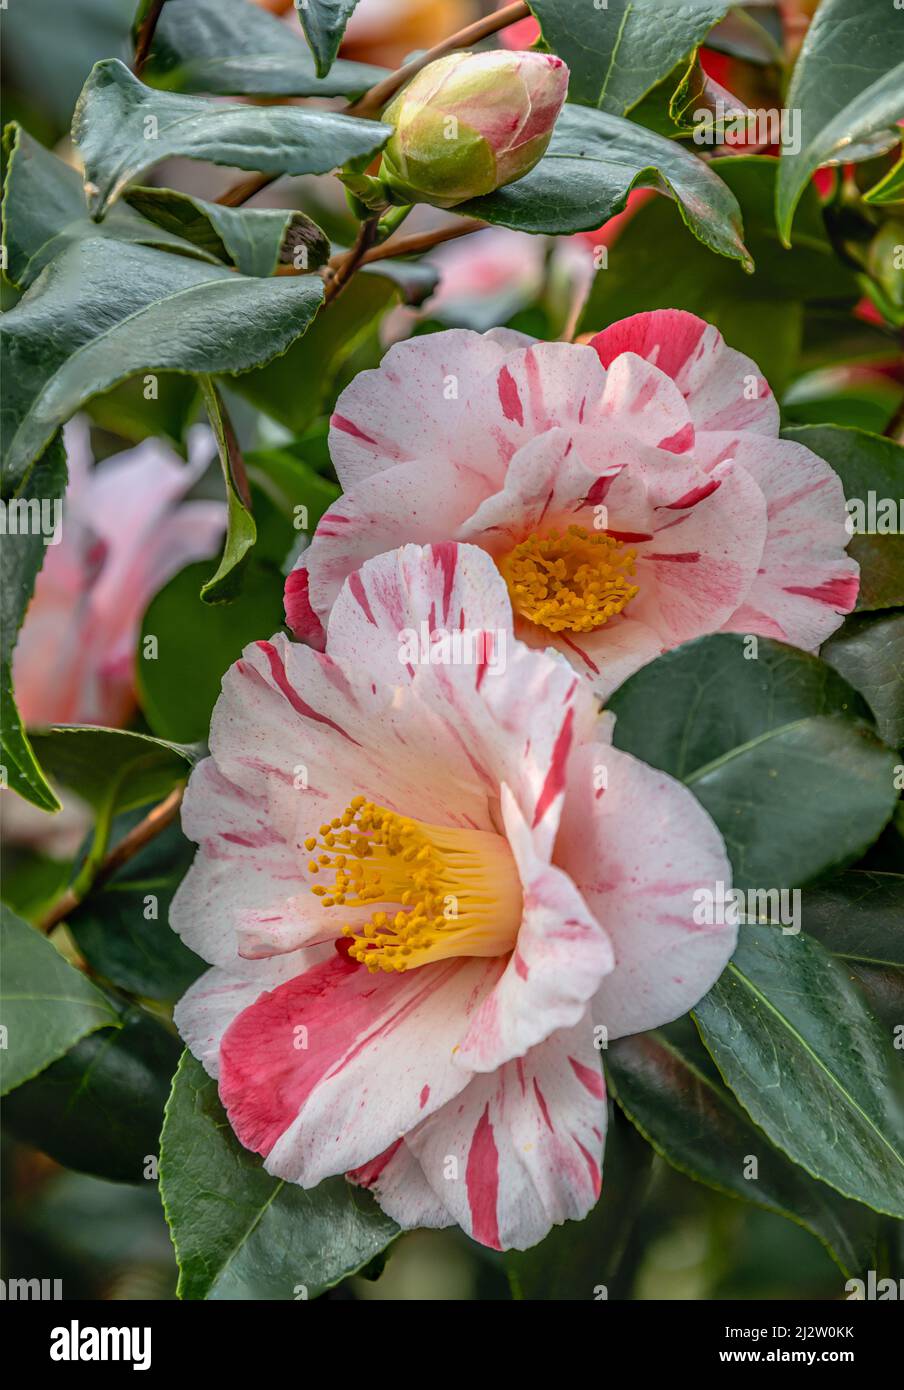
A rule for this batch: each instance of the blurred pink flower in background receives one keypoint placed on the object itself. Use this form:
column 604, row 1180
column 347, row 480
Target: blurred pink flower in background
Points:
column 125, row 532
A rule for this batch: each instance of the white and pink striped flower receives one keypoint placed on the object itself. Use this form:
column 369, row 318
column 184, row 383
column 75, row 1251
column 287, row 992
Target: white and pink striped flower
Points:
column 633, row 491
column 126, row 530
column 429, row 891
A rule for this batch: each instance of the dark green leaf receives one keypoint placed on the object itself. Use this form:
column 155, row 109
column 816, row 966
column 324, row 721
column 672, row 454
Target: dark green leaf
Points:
column 857, row 916
column 44, row 211
column 116, row 112
column 889, row 189
column 324, row 24
column 191, row 636
column 47, row 1004
column 111, row 769
column 241, row 532
column 617, row 52
column 254, row 240
column 795, row 1041
column 240, row 1233
column 653, row 266
column 868, row 650
column 666, row 1083
column 294, row 388
column 872, row 471
column 743, row 36
column 847, row 86
column 21, row 557
column 232, row 47
column 300, row 495
column 593, row 162
column 137, row 408
column 778, row 748
column 122, row 929
column 49, row 47
column 98, row 314
column 99, row 1109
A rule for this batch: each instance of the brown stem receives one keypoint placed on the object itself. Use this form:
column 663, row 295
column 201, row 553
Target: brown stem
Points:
column 240, row 192
column 141, row 834
column 348, row 263
column 415, row 242
column 374, row 100
column 145, row 36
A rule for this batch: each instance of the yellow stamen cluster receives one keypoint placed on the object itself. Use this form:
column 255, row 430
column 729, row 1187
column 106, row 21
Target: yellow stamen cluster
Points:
column 575, row 581
column 441, row 891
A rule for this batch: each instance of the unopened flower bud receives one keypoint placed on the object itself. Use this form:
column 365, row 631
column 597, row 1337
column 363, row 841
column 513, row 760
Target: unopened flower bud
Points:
column 471, row 122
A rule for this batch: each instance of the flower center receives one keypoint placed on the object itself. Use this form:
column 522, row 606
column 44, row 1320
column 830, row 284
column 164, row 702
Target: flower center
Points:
column 438, row 891
column 574, row 582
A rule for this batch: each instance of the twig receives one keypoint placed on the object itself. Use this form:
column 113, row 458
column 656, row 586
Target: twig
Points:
column 141, row 834
column 375, row 99
column 416, row 242
column 240, row 192
column 348, row 263
column 145, row 36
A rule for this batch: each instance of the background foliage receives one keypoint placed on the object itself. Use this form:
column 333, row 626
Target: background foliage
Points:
column 129, row 259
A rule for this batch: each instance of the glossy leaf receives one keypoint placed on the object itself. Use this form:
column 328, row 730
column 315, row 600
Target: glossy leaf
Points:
column 665, row 1081
column 254, row 240
column 47, row 1005
column 857, row 916
column 241, row 531
column 653, row 265
column 97, row 315
column 778, row 748
column 324, row 24
column 872, row 471
column 191, row 636
column 868, row 650
column 797, row 1044
column 112, row 769
column 21, row 556
column 44, row 211
column 593, row 161
column 889, row 189
column 240, row 1233
column 296, row 386
column 617, row 53
column 99, row 1109
column 115, row 112
column 847, row 85
column 233, row 47
column 122, row 928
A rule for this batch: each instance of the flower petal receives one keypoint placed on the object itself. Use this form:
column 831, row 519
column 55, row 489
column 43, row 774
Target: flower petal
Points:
column 328, row 1070
column 397, row 1181
column 409, row 502
column 561, row 955
column 433, row 397
column 715, row 380
column 520, row 1150
column 806, row 583
column 638, row 845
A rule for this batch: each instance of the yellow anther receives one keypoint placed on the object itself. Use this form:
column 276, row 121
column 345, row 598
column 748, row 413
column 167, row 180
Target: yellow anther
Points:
column 413, row 869
column 570, row 582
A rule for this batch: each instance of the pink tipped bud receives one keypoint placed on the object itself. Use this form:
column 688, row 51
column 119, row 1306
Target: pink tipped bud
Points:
column 471, row 122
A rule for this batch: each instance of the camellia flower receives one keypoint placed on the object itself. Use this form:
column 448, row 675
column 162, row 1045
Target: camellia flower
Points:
column 633, row 491
column 471, row 122
column 125, row 532
column 430, row 889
